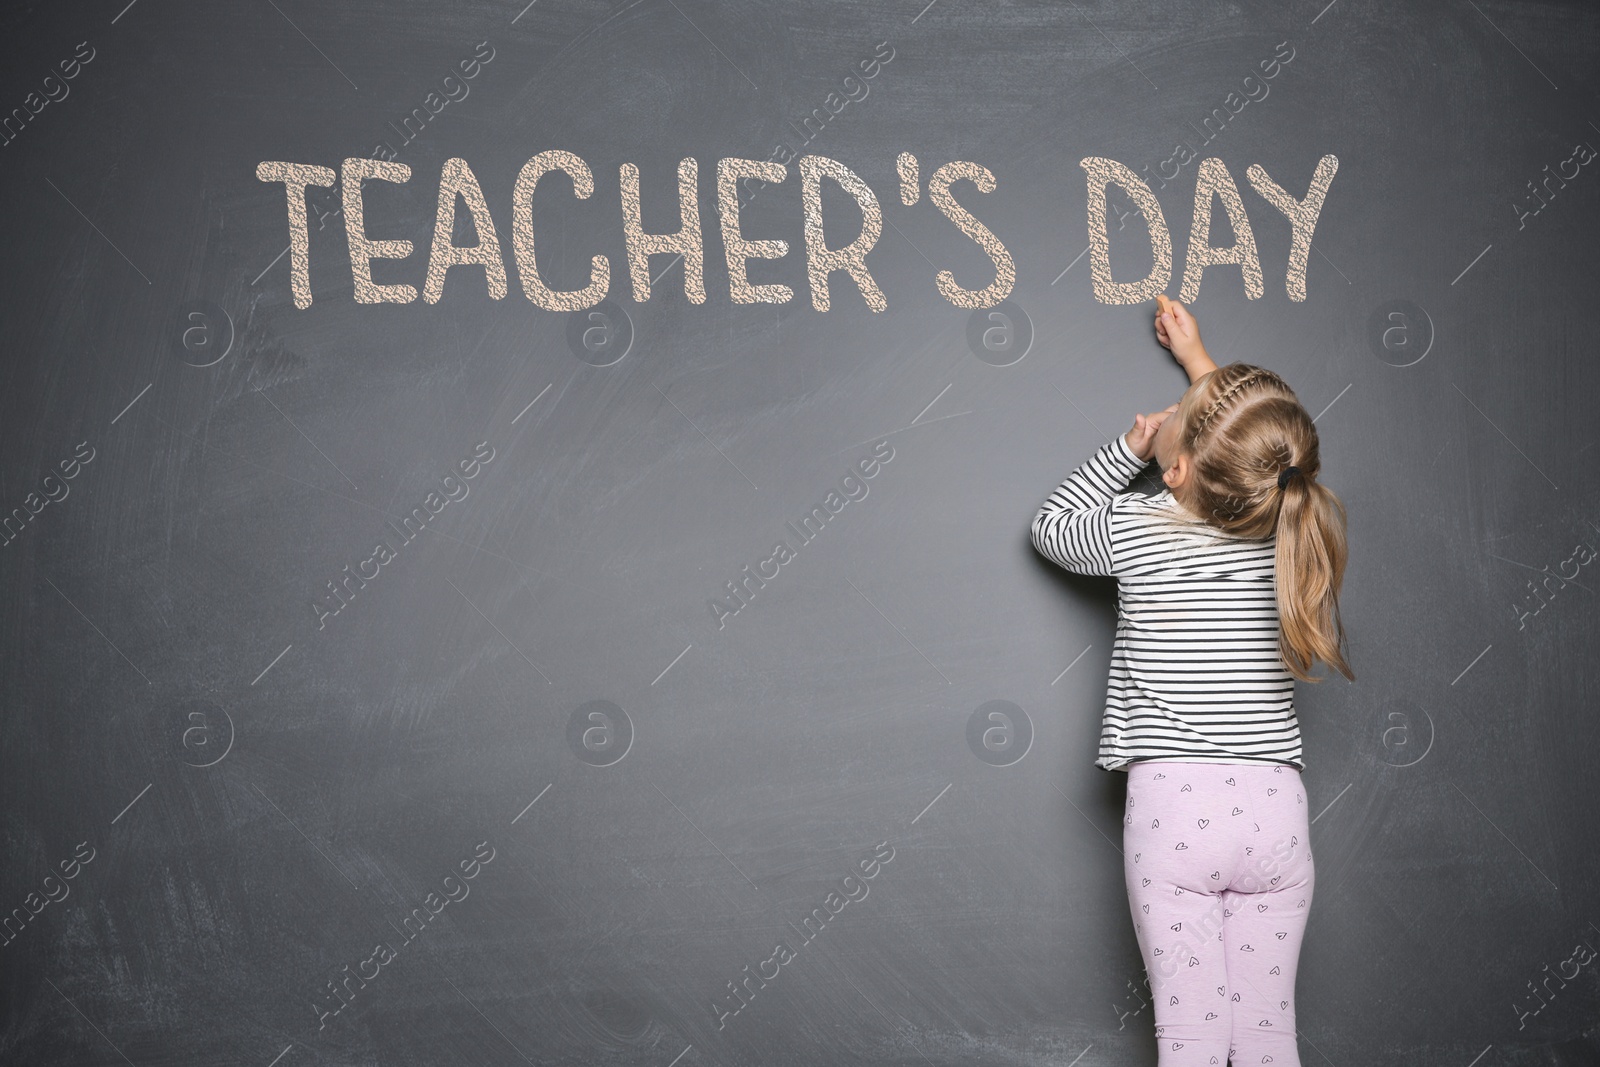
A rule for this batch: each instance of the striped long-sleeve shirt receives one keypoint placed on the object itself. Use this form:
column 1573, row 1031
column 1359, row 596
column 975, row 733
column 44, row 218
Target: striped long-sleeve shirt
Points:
column 1195, row 669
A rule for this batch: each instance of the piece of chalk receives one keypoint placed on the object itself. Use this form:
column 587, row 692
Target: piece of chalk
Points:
column 1162, row 301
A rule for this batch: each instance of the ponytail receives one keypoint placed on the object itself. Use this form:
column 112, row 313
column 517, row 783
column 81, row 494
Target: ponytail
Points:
column 1311, row 554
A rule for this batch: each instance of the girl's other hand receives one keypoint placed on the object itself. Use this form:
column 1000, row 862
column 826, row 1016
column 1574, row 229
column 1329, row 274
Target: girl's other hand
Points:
column 1141, row 439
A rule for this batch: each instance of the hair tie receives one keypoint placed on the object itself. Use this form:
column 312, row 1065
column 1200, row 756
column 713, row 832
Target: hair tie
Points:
column 1285, row 474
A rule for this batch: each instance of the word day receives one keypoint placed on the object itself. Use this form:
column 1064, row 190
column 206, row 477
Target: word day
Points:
column 1212, row 182
column 457, row 182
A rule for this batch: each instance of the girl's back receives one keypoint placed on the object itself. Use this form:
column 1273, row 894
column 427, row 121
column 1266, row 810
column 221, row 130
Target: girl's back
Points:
column 1195, row 669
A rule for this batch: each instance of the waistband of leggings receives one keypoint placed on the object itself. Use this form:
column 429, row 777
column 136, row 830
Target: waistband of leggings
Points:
column 1150, row 767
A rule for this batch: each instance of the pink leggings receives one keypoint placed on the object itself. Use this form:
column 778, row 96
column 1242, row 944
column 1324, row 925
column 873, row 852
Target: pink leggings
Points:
column 1217, row 858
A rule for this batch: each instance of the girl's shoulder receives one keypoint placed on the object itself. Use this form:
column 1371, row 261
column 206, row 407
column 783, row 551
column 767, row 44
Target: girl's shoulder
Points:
column 1157, row 506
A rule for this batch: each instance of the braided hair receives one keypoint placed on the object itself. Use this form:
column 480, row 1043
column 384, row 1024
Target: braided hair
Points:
column 1243, row 427
column 1231, row 385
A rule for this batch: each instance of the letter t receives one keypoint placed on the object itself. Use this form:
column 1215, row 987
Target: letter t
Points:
column 295, row 177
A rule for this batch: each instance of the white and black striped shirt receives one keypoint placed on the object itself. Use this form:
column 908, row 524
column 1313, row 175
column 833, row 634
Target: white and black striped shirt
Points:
column 1195, row 670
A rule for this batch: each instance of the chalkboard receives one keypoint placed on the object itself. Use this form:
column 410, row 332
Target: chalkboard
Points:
column 400, row 662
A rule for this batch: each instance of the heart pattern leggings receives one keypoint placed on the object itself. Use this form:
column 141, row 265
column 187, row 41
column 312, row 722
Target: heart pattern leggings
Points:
column 1217, row 858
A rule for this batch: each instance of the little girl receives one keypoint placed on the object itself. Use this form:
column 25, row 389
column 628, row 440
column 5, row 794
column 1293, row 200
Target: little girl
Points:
column 1228, row 585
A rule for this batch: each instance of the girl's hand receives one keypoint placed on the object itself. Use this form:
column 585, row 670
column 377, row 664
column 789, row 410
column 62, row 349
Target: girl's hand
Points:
column 1141, row 439
column 1176, row 328
column 1177, row 331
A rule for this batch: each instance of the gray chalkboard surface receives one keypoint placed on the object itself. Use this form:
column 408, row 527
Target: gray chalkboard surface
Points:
column 401, row 665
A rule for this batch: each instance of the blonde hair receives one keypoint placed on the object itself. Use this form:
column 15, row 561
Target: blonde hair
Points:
column 1241, row 425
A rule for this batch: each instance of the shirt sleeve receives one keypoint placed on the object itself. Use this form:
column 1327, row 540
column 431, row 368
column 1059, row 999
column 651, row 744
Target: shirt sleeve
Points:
column 1073, row 528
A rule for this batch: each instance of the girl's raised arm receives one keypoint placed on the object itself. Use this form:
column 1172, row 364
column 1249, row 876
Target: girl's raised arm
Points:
column 1177, row 331
column 1073, row 528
